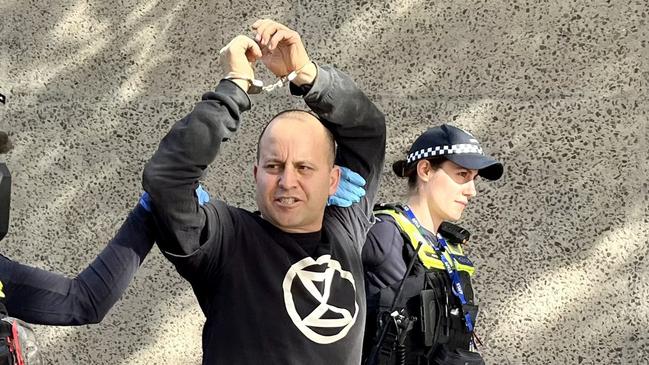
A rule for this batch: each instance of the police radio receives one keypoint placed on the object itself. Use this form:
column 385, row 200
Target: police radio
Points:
column 453, row 233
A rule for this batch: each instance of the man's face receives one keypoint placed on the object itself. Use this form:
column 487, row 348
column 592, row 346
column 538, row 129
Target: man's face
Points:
column 449, row 191
column 295, row 174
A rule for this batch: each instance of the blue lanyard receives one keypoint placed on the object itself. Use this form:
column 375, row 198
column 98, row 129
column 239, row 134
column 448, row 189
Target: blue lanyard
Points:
column 453, row 274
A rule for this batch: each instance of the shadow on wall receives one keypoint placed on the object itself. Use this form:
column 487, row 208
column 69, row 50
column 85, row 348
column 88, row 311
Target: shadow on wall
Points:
column 564, row 228
column 549, row 89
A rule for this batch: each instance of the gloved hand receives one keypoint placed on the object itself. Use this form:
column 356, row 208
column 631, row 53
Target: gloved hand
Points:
column 202, row 195
column 350, row 189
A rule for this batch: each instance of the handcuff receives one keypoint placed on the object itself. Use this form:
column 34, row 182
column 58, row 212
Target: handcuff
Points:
column 257, row 86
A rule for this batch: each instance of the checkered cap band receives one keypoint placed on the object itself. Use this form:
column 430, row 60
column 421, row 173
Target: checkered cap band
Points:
column 456, row 149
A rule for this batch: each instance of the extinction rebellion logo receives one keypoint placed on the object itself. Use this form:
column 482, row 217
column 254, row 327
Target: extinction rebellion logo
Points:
column 320, row 298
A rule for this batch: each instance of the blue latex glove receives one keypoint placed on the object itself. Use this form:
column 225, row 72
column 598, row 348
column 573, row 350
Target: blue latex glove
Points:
column 203, row 197
column 350, row 189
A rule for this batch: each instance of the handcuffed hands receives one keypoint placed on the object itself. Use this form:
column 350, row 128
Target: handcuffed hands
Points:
column 238, row 60
column 283, row 51
column 279, row 48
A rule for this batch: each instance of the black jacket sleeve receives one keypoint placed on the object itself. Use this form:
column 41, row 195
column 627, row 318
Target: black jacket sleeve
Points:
column 360, row 133
column 42, row 297
column 383, row 256
column 171, row 176
column 357, row 124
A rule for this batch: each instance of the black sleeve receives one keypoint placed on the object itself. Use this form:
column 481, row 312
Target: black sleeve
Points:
column 383, row 254
column 172, row 174
column 42, row 297
column 204, row 264
column 384, row 243
column 356, row 123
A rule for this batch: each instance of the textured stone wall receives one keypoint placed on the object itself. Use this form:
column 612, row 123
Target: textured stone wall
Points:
column 557, row 90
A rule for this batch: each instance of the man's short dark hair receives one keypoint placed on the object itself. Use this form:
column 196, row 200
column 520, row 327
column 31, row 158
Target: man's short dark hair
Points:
column 330, row 137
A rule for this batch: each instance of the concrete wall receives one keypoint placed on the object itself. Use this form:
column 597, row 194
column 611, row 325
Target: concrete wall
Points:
column 555, row 89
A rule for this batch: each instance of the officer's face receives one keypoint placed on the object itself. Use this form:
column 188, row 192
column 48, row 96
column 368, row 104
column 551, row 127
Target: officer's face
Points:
column 295, row 173
column 449, row 190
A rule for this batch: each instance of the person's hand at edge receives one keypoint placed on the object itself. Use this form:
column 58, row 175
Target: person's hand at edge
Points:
column 350, row 189
column 202, row 195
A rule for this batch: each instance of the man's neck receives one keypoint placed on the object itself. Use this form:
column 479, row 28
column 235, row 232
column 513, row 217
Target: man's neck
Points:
column 419, row 207
column 314, row 228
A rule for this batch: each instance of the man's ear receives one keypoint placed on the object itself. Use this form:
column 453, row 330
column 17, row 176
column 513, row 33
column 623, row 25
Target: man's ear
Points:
column 254, row 173
column 334, row 179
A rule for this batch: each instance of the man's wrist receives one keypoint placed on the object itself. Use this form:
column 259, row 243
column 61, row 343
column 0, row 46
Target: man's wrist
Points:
column 238, row 95
column 247, row 84
column 243, row 84
column 307, row 75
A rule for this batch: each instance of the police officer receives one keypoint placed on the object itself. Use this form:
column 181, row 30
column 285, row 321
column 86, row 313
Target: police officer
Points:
column 421, row 305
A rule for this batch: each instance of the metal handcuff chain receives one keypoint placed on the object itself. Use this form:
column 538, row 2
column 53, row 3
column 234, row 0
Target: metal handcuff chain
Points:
column 257, row 86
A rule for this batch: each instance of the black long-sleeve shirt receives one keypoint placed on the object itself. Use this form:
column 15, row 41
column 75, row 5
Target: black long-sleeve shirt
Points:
column 266, row 297
column 42, row 297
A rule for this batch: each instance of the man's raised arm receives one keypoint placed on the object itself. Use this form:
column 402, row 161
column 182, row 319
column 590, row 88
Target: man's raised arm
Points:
column 172, row 174
column 356, row 123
